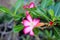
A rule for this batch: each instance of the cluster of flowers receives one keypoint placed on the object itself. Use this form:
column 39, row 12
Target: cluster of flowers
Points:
column 30, row 23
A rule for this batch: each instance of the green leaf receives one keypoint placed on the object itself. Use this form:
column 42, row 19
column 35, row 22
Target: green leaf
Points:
column 18, row 4
column 3, row 9
column 47, row 33
column 42, row 13
column 36, row 31
column 51, row 12
column 18, row 28
column 46, row 3
column 57, row 9
column 58, row 18
column 18, row 16
column 57, row 33
column 33, row 12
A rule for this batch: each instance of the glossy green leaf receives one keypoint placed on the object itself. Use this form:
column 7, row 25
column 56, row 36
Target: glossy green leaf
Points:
column 18, row 28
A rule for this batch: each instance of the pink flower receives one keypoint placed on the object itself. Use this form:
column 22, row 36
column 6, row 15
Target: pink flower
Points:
column 31, row 5
column 25, row 6
column 29, row 24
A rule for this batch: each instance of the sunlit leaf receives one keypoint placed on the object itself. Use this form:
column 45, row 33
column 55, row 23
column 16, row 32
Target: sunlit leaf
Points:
column 51, row 12
column 4, row 9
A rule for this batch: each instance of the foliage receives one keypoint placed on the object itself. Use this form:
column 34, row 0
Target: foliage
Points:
column 47, row 11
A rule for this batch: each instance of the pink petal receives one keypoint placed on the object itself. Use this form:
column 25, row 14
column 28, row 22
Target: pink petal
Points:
column 36, row 21
column 28, row 16
column 27, row 13
column 25, row 6
column 25, row 23
column 31, row 33
column 31, row 5
column 27, row 30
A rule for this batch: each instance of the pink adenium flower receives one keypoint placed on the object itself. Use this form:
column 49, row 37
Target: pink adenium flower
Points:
column 31, row 5
column 29, row 24
column 25, row 6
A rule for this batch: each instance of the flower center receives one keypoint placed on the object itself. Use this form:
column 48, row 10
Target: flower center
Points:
column 31, row 24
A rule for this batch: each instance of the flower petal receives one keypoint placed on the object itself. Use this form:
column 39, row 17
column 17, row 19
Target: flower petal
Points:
column 27, row 30
column 31, row 33
column 36, row 21
column 27, row 13
column 31, row 5
column 25, row 23
column 25, row 6
column 28, row 16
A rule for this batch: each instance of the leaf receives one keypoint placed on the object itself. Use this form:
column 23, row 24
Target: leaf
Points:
column 18, row 28
column 48, row 34
column 51, row 12
column 57, row 33
column 36, row 31
column 18, row 4
column 3, row 9
column 40, row 12
column 57, row 9
column 58, row 18
column 32, row 11
column 18, row 16
column 46, row 3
